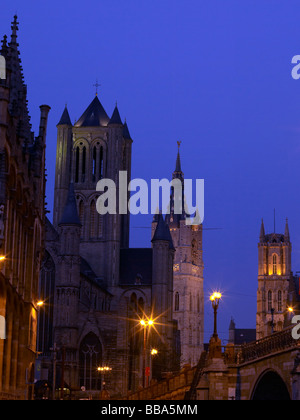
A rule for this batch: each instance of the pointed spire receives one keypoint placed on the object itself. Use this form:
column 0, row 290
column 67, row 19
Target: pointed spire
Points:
column 178, row 163
column 162, row 232
column 70, row 214
column 4, row 48
column 178, row 172
column 287, row 232
column 262, row 231
column 93, row 116
column 126, row 133
column 115, row 119
column 14, row 28
column 65, row 118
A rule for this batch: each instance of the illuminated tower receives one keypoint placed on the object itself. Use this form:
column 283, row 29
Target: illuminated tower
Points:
column 188, row 295
column 274, row 273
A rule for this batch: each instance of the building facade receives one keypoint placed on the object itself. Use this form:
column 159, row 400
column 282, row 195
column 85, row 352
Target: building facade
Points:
column 22, row 221
column 275, row 281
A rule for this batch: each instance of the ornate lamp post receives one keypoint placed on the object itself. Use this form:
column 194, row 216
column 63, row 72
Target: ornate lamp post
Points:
column 215, row 300
column 145, row 324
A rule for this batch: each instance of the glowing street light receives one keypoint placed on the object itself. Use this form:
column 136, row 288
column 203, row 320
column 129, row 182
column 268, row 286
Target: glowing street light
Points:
column 40, row 303
column 145, row 323
column 2, row 258
column 215, row 300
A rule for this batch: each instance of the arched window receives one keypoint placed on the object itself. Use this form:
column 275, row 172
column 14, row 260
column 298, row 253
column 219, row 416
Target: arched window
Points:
column 94, row 163
column 270, row 301
column 176, row 305
column 83, row 164
column 77, row 165
column 90, row 358
column 280, row 301
column 101, row 173
column 141, row 307
column 274, row 264
column 81, row 211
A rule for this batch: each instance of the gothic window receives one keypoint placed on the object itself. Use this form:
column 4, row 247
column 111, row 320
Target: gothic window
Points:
column 280, row 301
column 274, row 264
column 191, row 302
column 90, row 358
column 83, row 164
column 77, row 165
column 176, row 306
column 81, row 211
column 270, row 301
column 45, row 314
column 94, row 163
column 98, row 162
column 101, row 163
column 198, row 303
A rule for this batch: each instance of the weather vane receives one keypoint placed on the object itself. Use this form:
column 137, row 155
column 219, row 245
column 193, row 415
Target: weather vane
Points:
column 179, row 143
column 97, row 85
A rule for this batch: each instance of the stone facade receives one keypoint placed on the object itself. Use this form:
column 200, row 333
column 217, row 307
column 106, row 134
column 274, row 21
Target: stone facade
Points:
column 22, row 221
column 274, row 281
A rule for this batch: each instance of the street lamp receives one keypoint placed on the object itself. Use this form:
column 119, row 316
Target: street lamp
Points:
column 145, row 324
column 2, row 258
column 215, row 300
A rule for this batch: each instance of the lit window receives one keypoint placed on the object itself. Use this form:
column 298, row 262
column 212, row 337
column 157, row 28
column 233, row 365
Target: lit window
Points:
column 270, row 301
column 274, row 264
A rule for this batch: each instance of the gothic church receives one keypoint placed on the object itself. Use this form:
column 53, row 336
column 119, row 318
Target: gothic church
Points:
column 97, row 289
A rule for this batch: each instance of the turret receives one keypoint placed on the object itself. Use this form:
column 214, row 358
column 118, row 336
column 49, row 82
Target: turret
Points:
column 63, row 175
column 68, row 283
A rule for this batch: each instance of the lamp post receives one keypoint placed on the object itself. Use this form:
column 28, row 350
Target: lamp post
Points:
column 215, row 300
column 145, row 324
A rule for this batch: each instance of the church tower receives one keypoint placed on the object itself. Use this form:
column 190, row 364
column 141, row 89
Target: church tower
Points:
column 188, row 295
column 95, row 147
column 274, row 274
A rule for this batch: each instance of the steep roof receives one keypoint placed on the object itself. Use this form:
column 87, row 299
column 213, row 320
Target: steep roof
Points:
column 70, row 214
column 115, row 118
column 162, row 232
column 65, row 118
column 94, row 115
column 126, row 133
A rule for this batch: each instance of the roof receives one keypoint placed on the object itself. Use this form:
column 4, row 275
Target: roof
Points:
column 65, row 118
column 87, row 271
column 70, row 213
column 136, row 266
column 94, row 115
column 126, row 133
column 162, row 232
column 115, row 118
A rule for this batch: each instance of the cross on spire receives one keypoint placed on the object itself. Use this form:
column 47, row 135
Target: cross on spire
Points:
column 179, row 143
column 97, row 85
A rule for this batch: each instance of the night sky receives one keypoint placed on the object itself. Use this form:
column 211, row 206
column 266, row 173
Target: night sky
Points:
column 215, row 75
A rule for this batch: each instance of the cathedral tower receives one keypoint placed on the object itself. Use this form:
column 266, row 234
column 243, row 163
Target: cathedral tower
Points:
column 274, row 274
column 95, row 147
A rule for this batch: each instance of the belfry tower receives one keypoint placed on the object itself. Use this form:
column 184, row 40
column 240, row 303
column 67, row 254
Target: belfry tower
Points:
column 188, row 295
column 274, row 274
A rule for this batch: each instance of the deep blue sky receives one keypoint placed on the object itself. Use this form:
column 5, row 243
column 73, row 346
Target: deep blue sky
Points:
column 215, row 75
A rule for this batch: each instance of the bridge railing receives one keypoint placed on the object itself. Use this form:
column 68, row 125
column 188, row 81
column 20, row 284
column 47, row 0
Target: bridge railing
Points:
column 274, row 343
